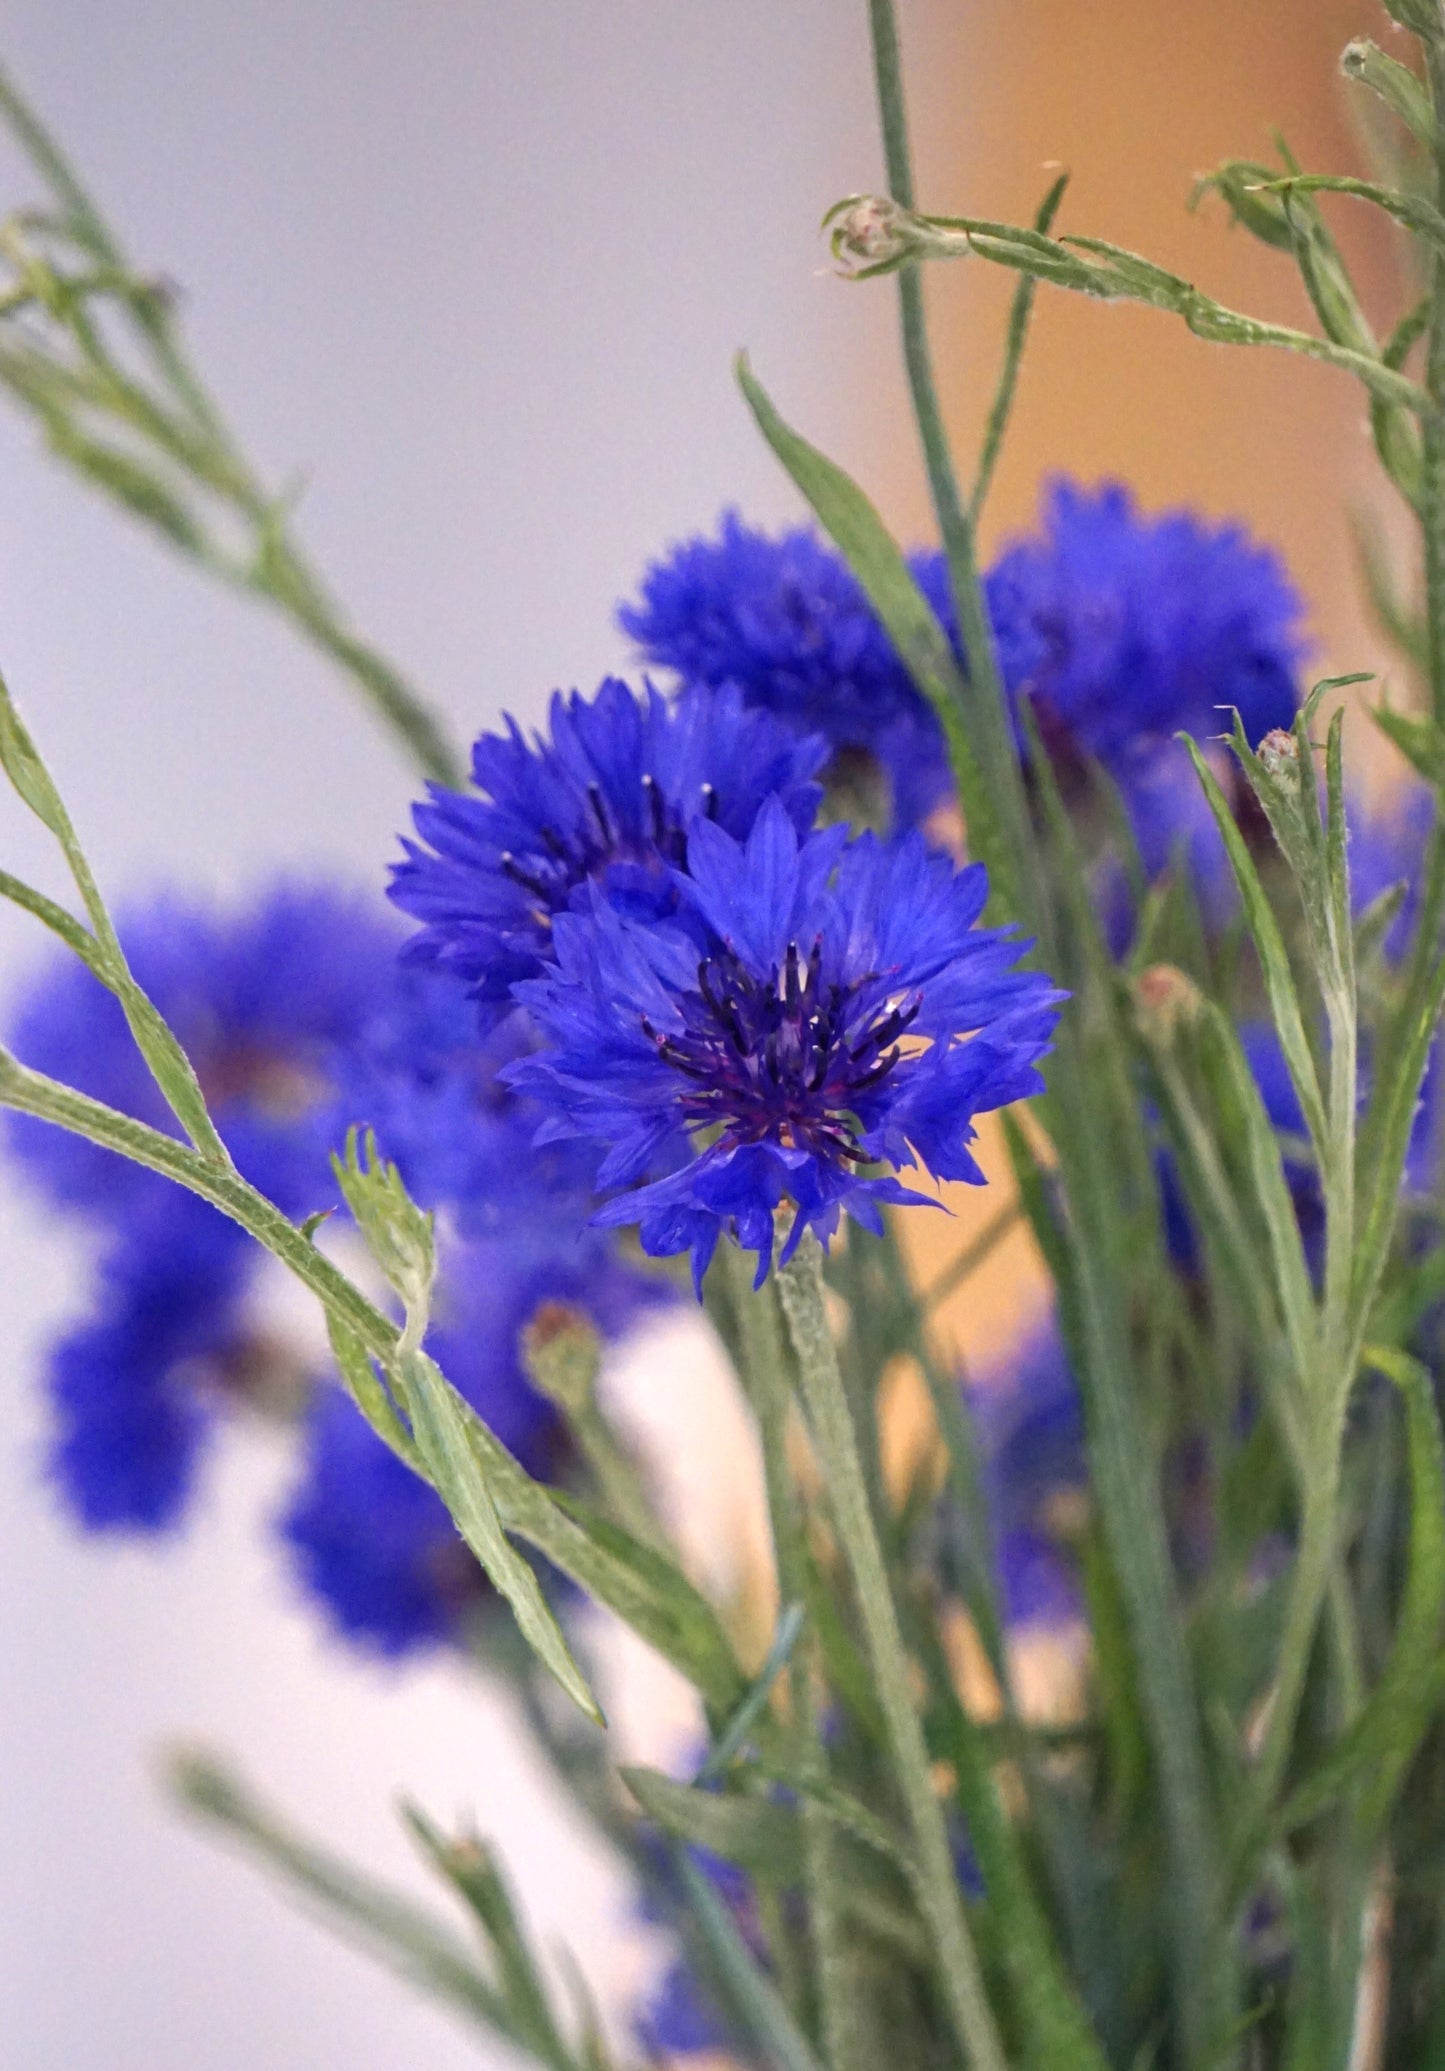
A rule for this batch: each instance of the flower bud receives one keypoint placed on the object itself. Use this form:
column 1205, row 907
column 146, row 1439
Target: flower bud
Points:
column 1279, row 752
column 1166, row 999
column 562, row 1352
column 869, row 231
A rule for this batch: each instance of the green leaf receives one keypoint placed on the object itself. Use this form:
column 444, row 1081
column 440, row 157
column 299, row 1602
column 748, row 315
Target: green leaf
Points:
column 369, row 1392
column 400, row 1236
column 1398, row 1100
column 1274, row 961
column 763, row 1837
column 440, row 1431
column 645, row 1589
column 57, row 919
column 474, row 1872
column 1412, row 210
column 862, row 538
column 407, row 1939
column 1377, row 1749
column 1420, row 740
column 734, row 1736
column 1092, row 266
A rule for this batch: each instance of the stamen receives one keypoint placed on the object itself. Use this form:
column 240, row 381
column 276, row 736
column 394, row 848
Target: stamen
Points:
column 709, row 801
column 535, row 885
column 599, row 809
column 654, row 808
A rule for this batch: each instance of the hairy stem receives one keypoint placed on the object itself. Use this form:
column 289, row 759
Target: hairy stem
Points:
column 960, row 1973
column 767, row 1384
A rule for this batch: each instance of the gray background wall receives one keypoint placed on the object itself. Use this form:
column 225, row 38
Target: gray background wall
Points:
column 476, row 272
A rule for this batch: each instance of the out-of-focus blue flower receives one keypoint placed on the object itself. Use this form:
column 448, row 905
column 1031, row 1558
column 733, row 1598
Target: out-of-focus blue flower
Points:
column 263, row 1001
column 372, row 1543
column 1030, row 1425
column 819, row 1031
column 607, row 802
column 135, row 1387
column 784, row 620
column 299, row 1021
column 1124, row 629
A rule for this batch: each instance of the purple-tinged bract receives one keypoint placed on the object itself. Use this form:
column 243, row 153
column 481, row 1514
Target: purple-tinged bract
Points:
column 844, row 1011
column 607, row 801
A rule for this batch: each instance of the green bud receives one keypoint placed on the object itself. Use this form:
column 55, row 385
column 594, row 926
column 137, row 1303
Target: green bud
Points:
column 1166, row 1000
column 562, row 1354
column 1395, row 83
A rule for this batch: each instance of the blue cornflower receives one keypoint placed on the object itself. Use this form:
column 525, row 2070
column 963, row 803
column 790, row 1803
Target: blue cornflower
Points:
column 135, row 1387
column 263, row 1000
column 1030, row 1424
column 1124, row 629
column 816, row 1032
column 785, row 620
column 372, row 1543
column 607, row 801
column 299, row 1021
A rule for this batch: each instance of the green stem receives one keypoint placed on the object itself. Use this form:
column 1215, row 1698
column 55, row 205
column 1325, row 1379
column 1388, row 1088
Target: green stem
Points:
column 984, row 706
column 1020, row 311
column 1432, row 479
column 960, row 1973
column 766, row 1359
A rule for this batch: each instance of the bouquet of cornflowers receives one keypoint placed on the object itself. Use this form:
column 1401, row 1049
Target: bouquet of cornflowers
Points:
column 697, row 995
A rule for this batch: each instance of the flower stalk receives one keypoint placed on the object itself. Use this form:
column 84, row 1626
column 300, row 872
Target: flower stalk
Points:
column 960, row 1974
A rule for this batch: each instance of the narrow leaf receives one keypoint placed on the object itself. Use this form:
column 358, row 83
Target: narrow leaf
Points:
column 763, row 1837
column 873, row 555
column 1268, row 941
column 441, row 1439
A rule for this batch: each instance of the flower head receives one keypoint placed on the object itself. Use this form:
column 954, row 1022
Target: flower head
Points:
column 1123, row 629
column 608, row 801
column 264, row 1000
column 818, row 1030
column 134, row 1388
column 299, row 1022
column 785, row 620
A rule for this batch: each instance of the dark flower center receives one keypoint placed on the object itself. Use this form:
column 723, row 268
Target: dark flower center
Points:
column 651, row 838
column 785, row 1059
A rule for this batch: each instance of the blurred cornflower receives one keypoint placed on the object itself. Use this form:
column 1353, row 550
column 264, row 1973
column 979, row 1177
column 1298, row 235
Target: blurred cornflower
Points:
column 607, row 800
column 1123, row 630
column 817, row 1032
column 1029, row 1420
column 265, row 1001
column 299, row 1021
column 785, row 621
